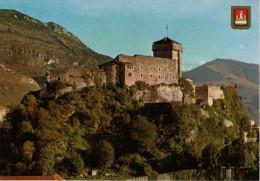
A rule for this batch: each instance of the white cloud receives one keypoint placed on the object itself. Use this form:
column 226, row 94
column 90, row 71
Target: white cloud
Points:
column 241, row 46
column 201, row 62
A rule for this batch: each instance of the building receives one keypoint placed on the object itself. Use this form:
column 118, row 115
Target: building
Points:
column 207, row 93
column 80, row 77
column 163, row 67
column 52, row 177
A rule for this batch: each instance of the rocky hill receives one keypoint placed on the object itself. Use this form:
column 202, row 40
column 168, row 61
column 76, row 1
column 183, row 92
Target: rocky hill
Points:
column 231, row 72
column 28, row 41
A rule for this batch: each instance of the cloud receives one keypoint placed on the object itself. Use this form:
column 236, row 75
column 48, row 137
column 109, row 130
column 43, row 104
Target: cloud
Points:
column 201, row 62
column 241, row 46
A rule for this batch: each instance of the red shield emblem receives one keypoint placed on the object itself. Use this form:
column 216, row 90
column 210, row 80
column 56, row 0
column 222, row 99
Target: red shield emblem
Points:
column 241, row 17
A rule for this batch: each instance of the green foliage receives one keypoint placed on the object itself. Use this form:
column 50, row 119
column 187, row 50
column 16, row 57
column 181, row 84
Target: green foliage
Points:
column 55, row 86
column 97, row 79
column 188, row 175
column 105, row 153
column 186, row 86
column 77, row 163
column 26, row 127
column 63, row 135
column 143, row 133
column 210, row 156
column 28, row 150
column 46, row 162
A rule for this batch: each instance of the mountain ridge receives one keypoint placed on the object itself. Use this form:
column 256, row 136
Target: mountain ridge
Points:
column 231, row 72
column 28, row 41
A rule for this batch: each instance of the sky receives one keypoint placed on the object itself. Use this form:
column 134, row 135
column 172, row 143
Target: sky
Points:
column 129, row 27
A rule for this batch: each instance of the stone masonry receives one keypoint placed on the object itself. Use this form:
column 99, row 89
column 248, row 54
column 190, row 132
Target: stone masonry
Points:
column 78, row 76
column 164, row 67
column 208, row 93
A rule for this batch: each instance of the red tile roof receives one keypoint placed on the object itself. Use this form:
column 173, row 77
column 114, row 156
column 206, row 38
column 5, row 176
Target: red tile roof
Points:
column 53, row 177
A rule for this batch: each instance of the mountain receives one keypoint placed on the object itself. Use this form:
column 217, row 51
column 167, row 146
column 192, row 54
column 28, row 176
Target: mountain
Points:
column 27, row 41
column 231, row 72
column 29, row 47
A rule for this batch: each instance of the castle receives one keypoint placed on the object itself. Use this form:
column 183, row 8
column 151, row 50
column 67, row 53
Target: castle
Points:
column 165, row 67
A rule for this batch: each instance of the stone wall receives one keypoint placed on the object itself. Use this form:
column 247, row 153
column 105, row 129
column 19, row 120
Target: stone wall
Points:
column 152, row 70
column 208, row 93
column 78, row 76
column 112, row 72
column 248, row 140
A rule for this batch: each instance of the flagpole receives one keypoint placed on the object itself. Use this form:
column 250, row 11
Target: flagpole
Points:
column 167, row 30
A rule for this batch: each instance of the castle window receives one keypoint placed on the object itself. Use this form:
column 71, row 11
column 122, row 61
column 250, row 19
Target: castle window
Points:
column 159, row 69
column 150, row 76
column 165, row 70
column 141, row 75
column 159, row 77
column 141, row 67
column 165, row 77
column 129, row 74
column 172, row 77
column 129, row 66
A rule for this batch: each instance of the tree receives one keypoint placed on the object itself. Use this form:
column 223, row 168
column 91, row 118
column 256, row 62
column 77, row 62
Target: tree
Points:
column 46, row 161
column 104, row 154
column 210, row 156
column 29, row 100
column 235, row 154
column 77, row 162
column 28, row 150
column 143, row 133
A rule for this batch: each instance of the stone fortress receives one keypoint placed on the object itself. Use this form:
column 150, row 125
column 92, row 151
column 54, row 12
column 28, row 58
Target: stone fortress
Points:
column 164, row 68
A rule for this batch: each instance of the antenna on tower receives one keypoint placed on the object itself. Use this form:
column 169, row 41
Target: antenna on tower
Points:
column 167, row 30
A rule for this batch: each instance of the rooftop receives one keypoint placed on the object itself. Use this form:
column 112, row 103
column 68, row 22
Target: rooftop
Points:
column 166, row 41
column 52, row 177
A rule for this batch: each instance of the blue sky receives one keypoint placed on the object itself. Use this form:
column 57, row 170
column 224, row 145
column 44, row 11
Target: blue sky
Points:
column 112, row 27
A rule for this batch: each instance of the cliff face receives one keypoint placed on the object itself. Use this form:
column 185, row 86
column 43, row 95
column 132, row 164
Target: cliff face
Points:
column 160, row 94
column 25, row 40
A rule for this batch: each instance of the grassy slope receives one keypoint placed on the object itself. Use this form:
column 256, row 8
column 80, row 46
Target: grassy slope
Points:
column 12, row 87
column 231, row 72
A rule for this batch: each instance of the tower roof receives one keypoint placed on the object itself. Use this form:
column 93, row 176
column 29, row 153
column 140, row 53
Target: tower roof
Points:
column 166, row 41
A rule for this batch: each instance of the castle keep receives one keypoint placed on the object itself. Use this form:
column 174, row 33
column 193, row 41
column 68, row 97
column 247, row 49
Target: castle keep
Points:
column 164, row 67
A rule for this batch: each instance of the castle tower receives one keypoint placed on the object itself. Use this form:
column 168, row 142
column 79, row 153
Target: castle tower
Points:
column 168, row 48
